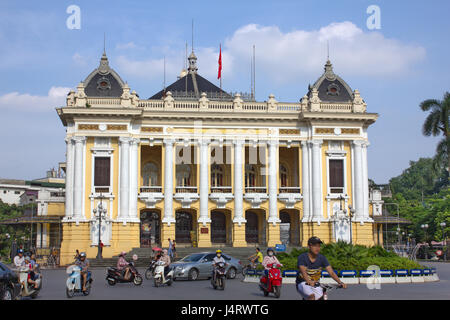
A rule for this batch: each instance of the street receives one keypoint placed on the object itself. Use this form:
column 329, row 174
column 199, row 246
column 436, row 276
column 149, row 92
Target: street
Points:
column 54, row 289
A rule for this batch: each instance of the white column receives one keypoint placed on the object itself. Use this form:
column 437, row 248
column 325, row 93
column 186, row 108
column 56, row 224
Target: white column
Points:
column 273, row 192
column 78, row 178
column 305, row 182
column 365, row 181
column 317, row 215
column 124, row 174
column 44, row 235
column 238, row 189
column 39, row 234
column 69, row 179
column 168, row 181
column 134, row 179
column 359, row 185
column 204, row 188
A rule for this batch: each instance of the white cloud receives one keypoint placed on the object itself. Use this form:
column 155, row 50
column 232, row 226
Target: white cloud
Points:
column 15, row 100
column 286, row 56
column 124, row 46
column 283, row 55
column 79, row 59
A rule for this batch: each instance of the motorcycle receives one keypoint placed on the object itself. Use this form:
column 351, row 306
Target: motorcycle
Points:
column 272, row 282
column 29, row 290
column 159, row 277
column 74, row 282
column 218, row 278
column 150, row 270
column 115, row 275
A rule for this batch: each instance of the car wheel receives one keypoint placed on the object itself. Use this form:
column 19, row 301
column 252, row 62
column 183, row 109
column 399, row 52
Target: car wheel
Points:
column 231, row 274
column 193, row 274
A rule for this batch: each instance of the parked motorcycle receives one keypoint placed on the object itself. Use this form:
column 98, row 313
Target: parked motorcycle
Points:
column 150, row 270
column 29, row 290
column 272, row 282
column 219, row 275
column 159, row 277
column 115, row 275
column 74, row 282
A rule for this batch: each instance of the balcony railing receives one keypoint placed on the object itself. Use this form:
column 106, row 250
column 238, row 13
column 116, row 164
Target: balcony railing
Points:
column 101, row 190
column 255, row 190
column 151, row 189
column 186, row 190
column 290, row 190
column 221, row 190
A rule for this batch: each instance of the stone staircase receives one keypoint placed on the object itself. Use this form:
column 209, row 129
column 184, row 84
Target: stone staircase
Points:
column 144, row 255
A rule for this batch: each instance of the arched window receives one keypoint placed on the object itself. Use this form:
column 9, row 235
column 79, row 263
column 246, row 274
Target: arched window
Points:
column 250, row 175
column 216, row 176
column 183, row 175
column 150, row 174
column 283, row 176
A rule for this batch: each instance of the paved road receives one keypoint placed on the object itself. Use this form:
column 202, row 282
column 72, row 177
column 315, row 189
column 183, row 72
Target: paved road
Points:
column 54, row 288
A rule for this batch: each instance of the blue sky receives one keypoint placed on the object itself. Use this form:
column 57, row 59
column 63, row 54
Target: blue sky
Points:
column 394, row 68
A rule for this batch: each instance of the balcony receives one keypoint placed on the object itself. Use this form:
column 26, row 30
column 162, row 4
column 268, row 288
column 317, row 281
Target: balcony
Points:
column 290, row 196
column 150, row 195
column 221, row 196
column 186, row 195
column 256, row 196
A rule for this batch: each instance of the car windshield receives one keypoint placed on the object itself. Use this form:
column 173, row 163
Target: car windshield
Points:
column 192, row 257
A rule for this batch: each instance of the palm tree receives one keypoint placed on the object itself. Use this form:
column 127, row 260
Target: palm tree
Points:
column 436, row 124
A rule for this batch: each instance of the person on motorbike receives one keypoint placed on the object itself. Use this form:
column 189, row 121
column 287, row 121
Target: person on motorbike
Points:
column 256, row 258
column 166, row 259
column 123, row 265
column 19, row 260
column 215, row 263
column 310, row 265
column 83, row 263
column 30, row 268
column 268, row 261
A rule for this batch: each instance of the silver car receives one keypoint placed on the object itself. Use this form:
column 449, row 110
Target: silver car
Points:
column 199, row 265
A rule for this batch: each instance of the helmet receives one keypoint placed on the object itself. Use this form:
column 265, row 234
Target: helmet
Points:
column 27, row 258
column 270, row 249
column 165, row 251
column 123, row 253
column 20, row 251
column 83, row 254
column 218, row 251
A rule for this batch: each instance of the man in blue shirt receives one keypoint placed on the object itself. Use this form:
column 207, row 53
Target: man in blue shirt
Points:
column 310, row 265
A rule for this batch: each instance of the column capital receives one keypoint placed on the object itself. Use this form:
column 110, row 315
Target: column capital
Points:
column 238, row 142
column 135, row 141
column 203, row 142
column 358, row 143
column 79, row 139
column 273, row 143
column 304, row 143
column 125, row 140
column 169, row 141
column 316, row 142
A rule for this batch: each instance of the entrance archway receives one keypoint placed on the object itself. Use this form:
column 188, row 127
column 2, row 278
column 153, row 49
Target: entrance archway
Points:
column 251, row 227
column 285, row 228
column 150, row 233
column 183, row 226
column 218, row 227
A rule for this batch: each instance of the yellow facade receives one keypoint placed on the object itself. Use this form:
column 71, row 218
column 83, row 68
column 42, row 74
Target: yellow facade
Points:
column 167, row 179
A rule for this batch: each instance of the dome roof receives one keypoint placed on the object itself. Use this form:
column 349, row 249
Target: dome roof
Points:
column 103, row 81
column 331, row 87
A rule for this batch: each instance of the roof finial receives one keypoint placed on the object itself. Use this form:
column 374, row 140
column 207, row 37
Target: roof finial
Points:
column 192, row 34
column 104, row 43
column 328, row 50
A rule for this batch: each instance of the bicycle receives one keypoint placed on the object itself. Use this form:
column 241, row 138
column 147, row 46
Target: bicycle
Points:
column 326, row 288
column 250, row 266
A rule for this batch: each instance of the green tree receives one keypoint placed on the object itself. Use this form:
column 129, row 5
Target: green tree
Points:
column 437, row 124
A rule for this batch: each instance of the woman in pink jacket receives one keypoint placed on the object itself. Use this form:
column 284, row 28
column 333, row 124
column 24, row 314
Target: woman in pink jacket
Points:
column 270, row 259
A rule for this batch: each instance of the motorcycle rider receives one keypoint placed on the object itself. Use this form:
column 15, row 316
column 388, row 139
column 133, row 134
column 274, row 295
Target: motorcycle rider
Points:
column 217, row 259
column 19, row 260
column 166, row 259
column 30, row 267
column 123, row 265
column 269, row 260
column 310, row 265
column 83, row 263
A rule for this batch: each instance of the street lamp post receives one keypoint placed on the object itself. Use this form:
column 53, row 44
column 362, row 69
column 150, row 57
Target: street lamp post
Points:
column 444, row 239
column 101, row 211
column 425, row 227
